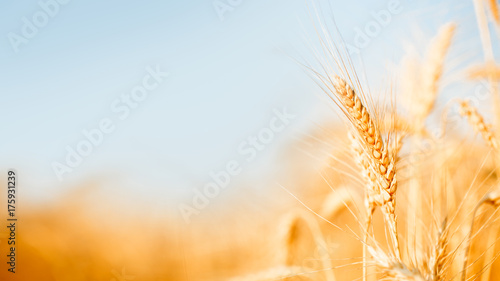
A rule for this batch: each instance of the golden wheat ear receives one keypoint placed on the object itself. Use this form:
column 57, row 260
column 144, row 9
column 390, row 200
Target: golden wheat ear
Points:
column 439, row 256
column 421, row 80
column 376, row 159
column 477, row 122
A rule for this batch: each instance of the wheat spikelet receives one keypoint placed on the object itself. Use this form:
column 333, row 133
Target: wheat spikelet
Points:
column 372, row 190
column 478, row 124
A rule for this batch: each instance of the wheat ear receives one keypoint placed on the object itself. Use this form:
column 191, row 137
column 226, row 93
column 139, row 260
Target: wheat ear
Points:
column 433, row 68
column 380, row 162
column 478, row 124
column 438, row 258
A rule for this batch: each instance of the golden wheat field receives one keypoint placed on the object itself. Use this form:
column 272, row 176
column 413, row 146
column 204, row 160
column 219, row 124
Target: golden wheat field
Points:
column 399, row 184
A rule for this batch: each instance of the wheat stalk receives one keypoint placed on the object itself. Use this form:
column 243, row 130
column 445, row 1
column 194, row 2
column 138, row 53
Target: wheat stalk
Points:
column 371, row 193
column 290, row 237
column 422, row 82
column 335, row 202
column 492, row 198
column 490, row 252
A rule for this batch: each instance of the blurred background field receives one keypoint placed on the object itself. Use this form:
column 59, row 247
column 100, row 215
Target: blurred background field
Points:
column 116, row 215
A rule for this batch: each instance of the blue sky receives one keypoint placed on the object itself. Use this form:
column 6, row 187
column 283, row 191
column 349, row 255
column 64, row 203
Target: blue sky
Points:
column 226, row 77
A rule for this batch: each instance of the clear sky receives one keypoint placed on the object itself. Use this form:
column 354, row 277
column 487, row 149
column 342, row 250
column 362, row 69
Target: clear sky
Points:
column 228, row 69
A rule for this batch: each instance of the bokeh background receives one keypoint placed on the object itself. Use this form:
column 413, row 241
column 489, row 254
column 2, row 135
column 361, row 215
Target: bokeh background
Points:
column 231, row 65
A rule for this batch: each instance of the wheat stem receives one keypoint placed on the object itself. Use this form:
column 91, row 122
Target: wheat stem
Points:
column 492, row 198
